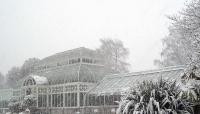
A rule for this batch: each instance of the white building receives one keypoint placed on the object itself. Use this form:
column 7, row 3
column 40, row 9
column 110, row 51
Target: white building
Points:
column 76, row 81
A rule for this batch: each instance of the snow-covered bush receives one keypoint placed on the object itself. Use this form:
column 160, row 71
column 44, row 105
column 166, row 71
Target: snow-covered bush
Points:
column 29, row 101
column 16, row 106
column 154, row 98
column 190, row 88
column 190, row 91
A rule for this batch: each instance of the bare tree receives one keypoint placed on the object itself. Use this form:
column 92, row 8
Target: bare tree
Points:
column 115, row 54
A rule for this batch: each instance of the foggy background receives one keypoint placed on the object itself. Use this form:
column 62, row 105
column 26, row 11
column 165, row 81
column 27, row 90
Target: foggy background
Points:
column 40, row 28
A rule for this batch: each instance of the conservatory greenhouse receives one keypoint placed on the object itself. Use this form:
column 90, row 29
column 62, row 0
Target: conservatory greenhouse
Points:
column 75, row 81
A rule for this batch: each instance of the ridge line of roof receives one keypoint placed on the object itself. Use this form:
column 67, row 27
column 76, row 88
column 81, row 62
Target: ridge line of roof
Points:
column 165, row 69
column 67, row 51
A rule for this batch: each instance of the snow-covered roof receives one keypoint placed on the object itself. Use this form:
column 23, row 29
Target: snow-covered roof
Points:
column 74, row 73
column 39, row 79
column 121, row 83
column 35, row 80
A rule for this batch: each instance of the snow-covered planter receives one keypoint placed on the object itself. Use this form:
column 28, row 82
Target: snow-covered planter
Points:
column 154, row 98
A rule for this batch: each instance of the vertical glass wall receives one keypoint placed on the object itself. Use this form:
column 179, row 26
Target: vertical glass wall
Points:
column 98, row 100
column 5, row 95
column 70, row 99
column 4, row 104
column 42, row 97
column 57, row 100
column 62, row 95
column 42, row 100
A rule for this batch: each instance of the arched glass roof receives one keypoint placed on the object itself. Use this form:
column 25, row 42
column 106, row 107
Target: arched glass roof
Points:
column 35, row 80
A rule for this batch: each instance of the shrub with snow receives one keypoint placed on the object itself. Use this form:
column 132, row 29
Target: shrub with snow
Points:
column 17, row 106
column 191, row 85
column 154, row 98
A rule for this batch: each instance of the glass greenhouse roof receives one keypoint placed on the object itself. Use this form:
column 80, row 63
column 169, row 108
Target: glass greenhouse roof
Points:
column 120, row 83
column 73, row 73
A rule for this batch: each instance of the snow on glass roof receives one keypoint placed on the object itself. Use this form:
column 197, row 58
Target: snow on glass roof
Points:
column 74, row 73
column 39, row 79
column 120, row 83
column 34, row 80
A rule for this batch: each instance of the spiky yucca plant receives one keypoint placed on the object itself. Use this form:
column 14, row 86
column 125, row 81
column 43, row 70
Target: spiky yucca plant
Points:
column 154, row 98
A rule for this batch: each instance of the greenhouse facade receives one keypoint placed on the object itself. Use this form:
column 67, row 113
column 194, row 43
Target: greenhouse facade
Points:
column 76, row 81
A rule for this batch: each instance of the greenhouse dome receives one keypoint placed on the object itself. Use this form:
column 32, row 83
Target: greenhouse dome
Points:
column 35, row 80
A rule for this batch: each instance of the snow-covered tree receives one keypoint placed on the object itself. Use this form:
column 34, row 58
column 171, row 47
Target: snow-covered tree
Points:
column 17, row 73
column 182, row 45
column 115, row 54
column 174, row 52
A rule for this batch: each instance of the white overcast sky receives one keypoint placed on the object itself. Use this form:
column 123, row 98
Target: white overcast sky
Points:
column 39, row 28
